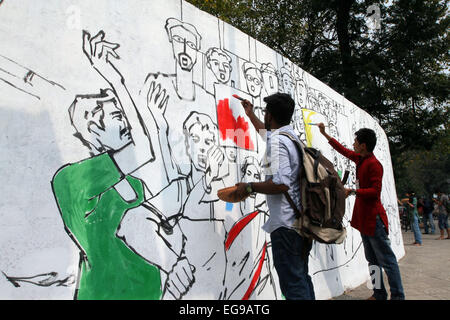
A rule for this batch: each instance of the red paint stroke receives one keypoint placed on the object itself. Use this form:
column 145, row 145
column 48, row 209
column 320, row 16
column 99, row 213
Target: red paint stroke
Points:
column 237, row 228
column 234, row 232
column 231, row 128
column 255, row 278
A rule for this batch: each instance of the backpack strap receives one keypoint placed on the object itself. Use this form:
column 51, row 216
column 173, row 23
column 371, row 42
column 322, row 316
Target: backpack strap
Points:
column 294, row 207
column 315, row 154
column 286, row 194
column 300, row 148
column 297, row 142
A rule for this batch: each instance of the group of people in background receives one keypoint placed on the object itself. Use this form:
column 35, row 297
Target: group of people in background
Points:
column 423, row 210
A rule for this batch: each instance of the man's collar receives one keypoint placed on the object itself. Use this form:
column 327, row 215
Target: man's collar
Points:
column 370, row 154
column 283, row 128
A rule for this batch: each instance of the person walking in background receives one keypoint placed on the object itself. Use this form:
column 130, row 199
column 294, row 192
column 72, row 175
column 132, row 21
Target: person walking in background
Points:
column 442, row 202
column 404, row 215
column 369, row 216
column 428, row 215
column 411, row 201
column 420, row 209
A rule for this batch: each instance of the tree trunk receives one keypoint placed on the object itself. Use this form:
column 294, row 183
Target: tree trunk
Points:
column 342, row 8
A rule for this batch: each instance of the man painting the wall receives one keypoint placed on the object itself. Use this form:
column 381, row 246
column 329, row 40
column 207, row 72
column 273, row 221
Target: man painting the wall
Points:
column 369, row 216
column 290, row 250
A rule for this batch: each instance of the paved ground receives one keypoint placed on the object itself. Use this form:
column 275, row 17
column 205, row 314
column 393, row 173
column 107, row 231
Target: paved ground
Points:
column 425, row 271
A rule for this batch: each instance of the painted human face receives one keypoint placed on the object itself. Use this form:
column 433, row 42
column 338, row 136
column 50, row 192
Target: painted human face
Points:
column 253, row 78
column 255, row 200
column 231, row 154
column 270, row 82
column 220, row 66
column 252, row 174
column 288, row 85
column 108, row 125
column 297, row 120
column 301, row 93
column 200, row 142
column 185, row 46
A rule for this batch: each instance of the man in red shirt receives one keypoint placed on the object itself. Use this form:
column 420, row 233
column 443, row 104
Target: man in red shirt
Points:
column 369, row 216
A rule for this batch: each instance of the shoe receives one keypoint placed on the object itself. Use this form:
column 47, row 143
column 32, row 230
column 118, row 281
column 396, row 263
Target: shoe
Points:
column 440, row 238
column 371, row 298
column 417, row 244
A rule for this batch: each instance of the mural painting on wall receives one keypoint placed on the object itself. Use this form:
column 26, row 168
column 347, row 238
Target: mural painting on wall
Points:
column 142, row 236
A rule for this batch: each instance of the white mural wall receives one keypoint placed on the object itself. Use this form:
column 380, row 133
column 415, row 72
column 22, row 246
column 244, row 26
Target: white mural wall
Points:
column 114, row 118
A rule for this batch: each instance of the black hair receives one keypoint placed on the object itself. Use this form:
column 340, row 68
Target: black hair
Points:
column 367, row 136
column 281, row 107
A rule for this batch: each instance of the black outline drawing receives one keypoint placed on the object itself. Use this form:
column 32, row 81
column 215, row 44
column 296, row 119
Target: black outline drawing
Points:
column 23, row 79
column 48, row 280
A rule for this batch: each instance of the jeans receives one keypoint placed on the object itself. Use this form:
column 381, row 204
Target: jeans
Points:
column 443, row 221
column 428, row 217
column 290, row 257
column 379, row 254
column 415, row 228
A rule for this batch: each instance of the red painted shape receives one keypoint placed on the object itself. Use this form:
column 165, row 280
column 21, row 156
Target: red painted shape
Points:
column 234, row 232
column 256, row 275
column 237, row 228
column 231, row 128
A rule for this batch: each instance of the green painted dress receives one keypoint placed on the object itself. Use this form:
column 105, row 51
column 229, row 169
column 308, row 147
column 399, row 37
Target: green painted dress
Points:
column 92, row 210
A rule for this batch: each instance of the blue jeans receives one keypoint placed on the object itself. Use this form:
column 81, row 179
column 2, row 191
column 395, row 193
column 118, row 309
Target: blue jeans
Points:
column 428, row 217
column 415, row 228
column 443, row 221
column 379, row 254
column 290, row 257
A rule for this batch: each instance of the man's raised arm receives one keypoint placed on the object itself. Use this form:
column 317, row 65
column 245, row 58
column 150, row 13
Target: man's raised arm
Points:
column 258, row 124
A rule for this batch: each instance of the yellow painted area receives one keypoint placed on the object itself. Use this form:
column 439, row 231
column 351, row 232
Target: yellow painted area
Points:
column 307, row 114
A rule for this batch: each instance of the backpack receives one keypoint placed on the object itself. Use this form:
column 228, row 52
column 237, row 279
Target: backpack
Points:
column 322, row 197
